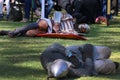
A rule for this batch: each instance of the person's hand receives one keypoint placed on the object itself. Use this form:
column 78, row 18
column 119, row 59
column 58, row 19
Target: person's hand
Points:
column 56, row 27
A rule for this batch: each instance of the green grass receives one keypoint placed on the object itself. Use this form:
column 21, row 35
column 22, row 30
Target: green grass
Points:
column 19, row 57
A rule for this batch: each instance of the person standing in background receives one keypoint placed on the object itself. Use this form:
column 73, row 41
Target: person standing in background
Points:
column 7, row 3
column 48, row 7
column 27, row 7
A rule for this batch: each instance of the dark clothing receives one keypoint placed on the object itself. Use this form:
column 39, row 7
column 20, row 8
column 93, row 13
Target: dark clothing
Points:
column 57, row 51
column 89, row 10
column 22, row 30
column 85, row 11
column 28, row 4
column 63, row 3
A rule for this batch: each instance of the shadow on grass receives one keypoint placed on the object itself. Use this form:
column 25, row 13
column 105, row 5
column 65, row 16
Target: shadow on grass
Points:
column 110, row 76
column 11, row 24
column 15, row 71
column 115, row 21
column 19, row 59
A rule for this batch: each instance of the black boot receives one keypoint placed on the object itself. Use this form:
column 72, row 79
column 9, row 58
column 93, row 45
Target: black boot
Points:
column 3, row 32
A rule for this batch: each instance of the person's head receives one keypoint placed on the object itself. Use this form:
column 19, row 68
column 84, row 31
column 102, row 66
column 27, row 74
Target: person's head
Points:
column 84, row 28
column 58, row 68
column 43, row 25
column 105, row 66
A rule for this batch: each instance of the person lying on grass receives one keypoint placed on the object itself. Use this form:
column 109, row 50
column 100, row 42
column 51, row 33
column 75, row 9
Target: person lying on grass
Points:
column 77, row 60
column 57, row 62
column 41, row 27
column 45, row 25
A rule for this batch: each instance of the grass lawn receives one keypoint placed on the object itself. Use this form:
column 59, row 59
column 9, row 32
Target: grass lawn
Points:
column 19, row 57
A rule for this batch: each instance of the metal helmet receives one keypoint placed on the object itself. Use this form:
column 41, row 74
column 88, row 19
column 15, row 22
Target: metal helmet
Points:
column 84, row 28
column 59, row 68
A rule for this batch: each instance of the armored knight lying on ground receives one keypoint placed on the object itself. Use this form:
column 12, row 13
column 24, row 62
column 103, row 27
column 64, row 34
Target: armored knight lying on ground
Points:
column 76, row 61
